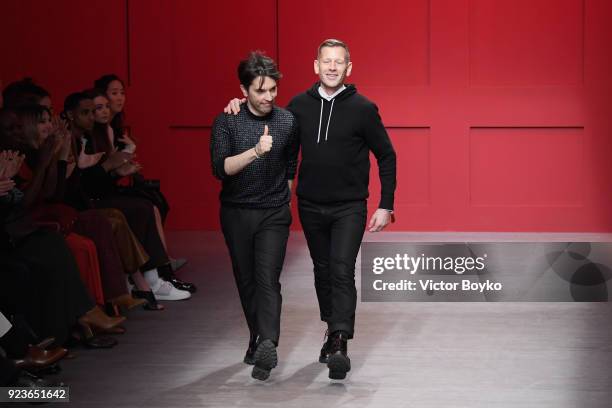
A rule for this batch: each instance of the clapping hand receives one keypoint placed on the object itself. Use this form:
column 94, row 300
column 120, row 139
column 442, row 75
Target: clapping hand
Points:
column 128, row 169
column 6, row 185
column 88, row 160
column 59, row 126
column 60, row 130
column 10, row 163
column 125, row 139
column 65, row 144
column 117, row 159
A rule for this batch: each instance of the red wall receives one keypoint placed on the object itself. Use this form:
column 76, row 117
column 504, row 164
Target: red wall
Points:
column 499, row 109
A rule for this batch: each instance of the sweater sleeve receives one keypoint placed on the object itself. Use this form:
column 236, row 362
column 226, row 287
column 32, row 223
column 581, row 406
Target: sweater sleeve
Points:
column 378, row 141
column 293, row 148
column 220, row 147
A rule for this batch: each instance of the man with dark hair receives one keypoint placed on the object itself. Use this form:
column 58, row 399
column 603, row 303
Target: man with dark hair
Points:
column 254, row 154
column 337, row 130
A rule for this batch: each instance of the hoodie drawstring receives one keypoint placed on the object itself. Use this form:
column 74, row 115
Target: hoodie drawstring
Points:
column 328, row 120
column 320, row 119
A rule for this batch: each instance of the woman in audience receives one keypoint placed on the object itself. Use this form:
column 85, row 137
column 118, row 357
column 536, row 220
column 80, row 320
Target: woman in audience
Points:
column 59, row 298
column 112, row 86
column 103, row 139
column 93, row 224
column 132, row 255
column 96, row 184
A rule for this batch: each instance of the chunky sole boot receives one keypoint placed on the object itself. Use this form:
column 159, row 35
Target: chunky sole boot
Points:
column 265, row 360
column 339, row 364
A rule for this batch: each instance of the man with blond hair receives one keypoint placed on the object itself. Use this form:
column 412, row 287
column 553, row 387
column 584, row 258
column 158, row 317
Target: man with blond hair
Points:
column 338, row 128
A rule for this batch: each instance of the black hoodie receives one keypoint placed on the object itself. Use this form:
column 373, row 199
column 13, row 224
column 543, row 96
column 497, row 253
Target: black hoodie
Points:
column 336, row 137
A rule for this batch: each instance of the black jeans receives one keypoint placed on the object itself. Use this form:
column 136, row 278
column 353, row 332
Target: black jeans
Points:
column 8, row 372
column 257, row 240
column 334, row 233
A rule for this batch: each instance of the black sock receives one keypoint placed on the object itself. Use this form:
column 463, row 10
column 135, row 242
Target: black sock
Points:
column 165, row 271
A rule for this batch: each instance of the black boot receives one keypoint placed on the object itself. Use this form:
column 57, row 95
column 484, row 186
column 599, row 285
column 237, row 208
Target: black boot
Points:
column 249, row 357
column 338, row 362
column 326, row 349
column 265, row 360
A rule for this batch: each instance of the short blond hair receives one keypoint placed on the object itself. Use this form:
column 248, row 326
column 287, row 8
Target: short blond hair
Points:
column 332, row 42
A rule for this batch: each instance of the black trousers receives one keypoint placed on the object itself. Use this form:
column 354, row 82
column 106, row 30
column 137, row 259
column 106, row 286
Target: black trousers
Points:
column 17, row 297
column 56, row 296
column 8, row 372
column 334, row 233
column 16, row 294
column 257, row 241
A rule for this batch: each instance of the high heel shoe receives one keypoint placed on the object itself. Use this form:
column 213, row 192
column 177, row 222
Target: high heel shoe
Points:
column 149, row 298
column 116, row 306
column 98, row 320
column 86, row 337
column 128, row 301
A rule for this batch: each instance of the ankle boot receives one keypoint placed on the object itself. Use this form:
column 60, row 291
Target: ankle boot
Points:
column 265, row 359
column 326, row 349
column 338, row 362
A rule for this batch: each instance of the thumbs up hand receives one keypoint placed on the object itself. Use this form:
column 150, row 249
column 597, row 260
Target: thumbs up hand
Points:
column 265, row 143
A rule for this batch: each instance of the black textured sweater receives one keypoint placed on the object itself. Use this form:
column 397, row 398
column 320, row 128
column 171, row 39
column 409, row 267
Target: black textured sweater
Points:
column 262, row 183
column 336, row 138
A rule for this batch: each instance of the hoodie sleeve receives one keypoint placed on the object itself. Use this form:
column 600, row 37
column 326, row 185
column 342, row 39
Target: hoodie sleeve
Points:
column 291, row 106
column 378, row 141
column 220, row 147
column 293, row 147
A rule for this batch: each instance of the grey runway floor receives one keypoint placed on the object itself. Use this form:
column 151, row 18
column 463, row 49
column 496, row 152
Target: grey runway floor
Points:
column 488, row 355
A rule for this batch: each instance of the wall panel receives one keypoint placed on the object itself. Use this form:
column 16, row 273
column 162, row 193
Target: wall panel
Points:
column 500, row 110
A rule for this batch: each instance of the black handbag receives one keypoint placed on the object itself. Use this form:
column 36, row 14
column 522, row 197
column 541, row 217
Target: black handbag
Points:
column 149, row 190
